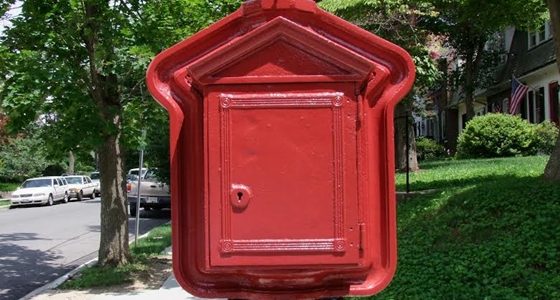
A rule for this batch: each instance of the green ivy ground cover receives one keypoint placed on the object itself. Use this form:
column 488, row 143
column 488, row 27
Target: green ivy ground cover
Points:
column 490, row 231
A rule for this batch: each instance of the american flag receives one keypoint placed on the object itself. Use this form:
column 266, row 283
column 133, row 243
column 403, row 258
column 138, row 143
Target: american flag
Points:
column 518, row 92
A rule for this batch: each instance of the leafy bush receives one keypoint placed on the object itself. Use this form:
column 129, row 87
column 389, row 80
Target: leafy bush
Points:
column 21, row 158
column 546, row 134
column 497, row 135
column 429, row 149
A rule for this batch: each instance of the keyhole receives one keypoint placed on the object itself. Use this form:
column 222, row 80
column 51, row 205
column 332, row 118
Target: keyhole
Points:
column 239, row 197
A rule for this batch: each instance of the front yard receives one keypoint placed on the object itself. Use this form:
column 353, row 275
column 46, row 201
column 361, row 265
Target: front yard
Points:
column 489, row 231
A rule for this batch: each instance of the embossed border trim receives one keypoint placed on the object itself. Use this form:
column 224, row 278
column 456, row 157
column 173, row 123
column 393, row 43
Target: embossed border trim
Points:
column 227, row 102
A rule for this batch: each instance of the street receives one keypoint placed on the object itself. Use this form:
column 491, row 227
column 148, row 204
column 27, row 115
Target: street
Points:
column 39, row 244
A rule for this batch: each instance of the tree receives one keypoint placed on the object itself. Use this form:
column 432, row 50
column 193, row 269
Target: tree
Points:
column 552, row 170
column 21, row 158
column 468, row 26
column 76, row 66
column 397, row 21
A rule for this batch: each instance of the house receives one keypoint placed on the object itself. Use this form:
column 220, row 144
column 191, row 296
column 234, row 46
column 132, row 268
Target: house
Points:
column 527, row 56
column 531, row 59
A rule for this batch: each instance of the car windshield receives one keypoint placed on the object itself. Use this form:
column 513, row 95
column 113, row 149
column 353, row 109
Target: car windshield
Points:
column 151, row 175
column 135, row 172
column 74, row 180
column 36, row 183
column 94, row 175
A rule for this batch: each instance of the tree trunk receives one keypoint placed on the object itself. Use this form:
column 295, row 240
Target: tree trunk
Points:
column 104, row 91
column 71, row 163
column 401, row 113
column 473, row 59
column 469, row 84
column 113, row 246
column 552, row 170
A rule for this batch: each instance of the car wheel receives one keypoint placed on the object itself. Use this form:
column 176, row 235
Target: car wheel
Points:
column 50, row 200
column 147, row 208
column 80, row 196
column 133, row 210
column 92, row 196
column 66, row 198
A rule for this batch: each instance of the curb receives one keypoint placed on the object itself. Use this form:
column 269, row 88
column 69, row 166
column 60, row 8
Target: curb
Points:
column 2, row 207
column 60, row 280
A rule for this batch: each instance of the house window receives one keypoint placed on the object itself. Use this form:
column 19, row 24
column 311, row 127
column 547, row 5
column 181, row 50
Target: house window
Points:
column 540, row 36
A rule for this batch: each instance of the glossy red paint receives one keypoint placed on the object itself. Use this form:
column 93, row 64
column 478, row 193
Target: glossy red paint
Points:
column 281, row 119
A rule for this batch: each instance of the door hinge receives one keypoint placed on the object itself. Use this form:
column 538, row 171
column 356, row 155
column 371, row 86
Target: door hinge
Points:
column 362, row 236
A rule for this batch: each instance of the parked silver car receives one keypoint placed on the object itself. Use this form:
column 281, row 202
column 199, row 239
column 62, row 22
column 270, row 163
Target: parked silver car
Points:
column 80, row 186
column 154, row 194
column 95, row 176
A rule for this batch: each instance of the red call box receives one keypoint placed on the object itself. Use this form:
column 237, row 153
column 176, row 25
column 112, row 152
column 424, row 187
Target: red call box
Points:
column 282, row 157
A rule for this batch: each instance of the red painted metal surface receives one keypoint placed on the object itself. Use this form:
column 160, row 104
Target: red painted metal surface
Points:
column 282, row 162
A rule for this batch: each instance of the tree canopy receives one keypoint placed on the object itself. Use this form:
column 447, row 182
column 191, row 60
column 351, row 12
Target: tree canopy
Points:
column 77, row 69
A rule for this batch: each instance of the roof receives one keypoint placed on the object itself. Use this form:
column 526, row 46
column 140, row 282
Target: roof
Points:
column 521, row 61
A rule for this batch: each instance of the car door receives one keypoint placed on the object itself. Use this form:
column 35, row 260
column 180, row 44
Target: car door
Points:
column 63, row 187
column 89, row 184
column 57, row 188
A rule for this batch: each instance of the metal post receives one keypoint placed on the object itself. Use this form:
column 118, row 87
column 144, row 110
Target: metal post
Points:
column 138, row 196
column 407, row 155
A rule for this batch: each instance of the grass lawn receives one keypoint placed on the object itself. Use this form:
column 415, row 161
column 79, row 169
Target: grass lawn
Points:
column 157, row 240
column 490, row 231
column 4, row 202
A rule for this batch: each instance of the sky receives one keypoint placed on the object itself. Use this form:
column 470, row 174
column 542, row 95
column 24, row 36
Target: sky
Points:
column 5, row 20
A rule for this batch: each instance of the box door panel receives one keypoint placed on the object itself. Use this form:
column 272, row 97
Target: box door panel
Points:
column 283, row 175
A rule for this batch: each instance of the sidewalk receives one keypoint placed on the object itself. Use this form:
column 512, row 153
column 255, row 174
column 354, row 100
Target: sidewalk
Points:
column 170, row 289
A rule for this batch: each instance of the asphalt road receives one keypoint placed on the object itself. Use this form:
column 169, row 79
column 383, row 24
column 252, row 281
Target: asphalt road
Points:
column 39, row 244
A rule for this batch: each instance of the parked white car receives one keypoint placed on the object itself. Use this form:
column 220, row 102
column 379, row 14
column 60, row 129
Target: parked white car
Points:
column 80, row 186
column 95, row 176
column 40, row 190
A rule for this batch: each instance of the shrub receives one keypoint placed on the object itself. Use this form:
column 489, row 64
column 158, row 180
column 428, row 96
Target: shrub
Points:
column 497, row 135
column 21, row 158
column 429, row 149
column 546, row 134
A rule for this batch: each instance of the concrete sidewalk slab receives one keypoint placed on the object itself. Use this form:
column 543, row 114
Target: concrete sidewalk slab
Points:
column 169, row 290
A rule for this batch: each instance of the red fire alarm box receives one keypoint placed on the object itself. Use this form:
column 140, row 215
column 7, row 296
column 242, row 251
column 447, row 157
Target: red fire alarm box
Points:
column 282, row 161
